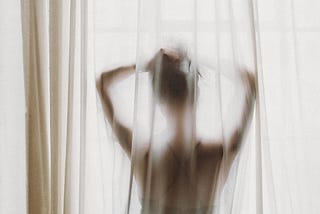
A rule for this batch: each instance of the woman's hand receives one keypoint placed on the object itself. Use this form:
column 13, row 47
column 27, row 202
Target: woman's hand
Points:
column 150, row 65
column 249, row 81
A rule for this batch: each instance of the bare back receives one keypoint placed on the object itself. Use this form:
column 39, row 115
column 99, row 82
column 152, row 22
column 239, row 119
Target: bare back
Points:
column 169, row 177
column 179, row 182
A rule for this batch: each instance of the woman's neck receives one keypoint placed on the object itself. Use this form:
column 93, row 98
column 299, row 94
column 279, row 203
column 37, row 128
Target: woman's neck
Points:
column 182, row 128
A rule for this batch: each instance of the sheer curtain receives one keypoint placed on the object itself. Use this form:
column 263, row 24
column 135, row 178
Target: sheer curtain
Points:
column 45, row 45
column 288, row 64
column 12, row 112
column 59, row 155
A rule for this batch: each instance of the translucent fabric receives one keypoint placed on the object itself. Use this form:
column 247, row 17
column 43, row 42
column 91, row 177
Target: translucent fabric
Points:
column 218, row 37
column 272, row 170
column 59, row 152
column 12, row 112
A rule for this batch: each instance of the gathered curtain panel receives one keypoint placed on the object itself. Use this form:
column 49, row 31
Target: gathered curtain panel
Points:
column 58, row 154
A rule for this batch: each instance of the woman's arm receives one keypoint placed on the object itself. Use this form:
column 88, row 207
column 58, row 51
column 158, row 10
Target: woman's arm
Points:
column 248, row 80
column 212, row 147
column 106, row 80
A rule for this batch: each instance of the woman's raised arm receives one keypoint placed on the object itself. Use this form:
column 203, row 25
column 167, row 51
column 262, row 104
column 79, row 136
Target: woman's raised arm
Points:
column 211, row 147
column 106, row 80
column 248, row 80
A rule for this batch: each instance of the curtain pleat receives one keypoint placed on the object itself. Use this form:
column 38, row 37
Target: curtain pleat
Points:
column 68, row 41
column 59, row 25
column 55, row 80
column 71, row 182
column 83, row 103
column 35, row 44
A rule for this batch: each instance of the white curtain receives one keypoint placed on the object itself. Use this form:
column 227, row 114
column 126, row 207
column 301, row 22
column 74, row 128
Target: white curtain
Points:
column 57, row 153
column 12, row 112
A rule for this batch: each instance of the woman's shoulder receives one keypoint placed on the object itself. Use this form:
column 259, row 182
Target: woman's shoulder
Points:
column 209, row 148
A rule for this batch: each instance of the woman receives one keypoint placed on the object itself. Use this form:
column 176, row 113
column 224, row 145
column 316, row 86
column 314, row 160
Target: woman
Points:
column 186, row 175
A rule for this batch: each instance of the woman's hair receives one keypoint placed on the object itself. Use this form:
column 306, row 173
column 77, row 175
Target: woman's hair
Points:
column 173, row 81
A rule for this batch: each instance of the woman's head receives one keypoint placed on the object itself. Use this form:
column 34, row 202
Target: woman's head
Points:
column 173, row 80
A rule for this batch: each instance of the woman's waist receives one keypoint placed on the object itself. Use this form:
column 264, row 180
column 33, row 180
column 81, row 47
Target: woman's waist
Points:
column 155, row 207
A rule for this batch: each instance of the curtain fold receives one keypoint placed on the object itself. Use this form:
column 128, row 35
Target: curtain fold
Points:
column 68, row 74
column 55, row 77
column 35, row 49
